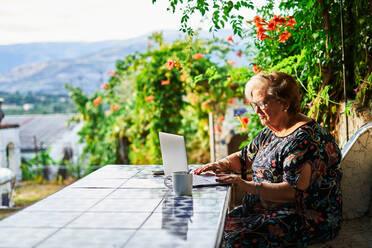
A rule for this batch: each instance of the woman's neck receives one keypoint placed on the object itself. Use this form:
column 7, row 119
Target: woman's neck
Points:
column 288, row 124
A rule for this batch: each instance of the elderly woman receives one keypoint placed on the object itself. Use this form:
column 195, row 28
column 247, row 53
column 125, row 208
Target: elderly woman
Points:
column 293, row 197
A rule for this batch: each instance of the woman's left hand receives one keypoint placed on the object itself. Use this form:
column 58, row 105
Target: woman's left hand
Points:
column 228, row 178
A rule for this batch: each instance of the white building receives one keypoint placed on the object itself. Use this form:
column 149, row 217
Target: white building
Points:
column 10, row 148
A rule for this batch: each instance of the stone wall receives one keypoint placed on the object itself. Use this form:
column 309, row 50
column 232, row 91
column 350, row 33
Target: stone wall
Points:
column 358, row 118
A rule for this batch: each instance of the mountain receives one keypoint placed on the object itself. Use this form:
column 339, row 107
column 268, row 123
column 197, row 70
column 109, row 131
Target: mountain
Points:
column 47, row 67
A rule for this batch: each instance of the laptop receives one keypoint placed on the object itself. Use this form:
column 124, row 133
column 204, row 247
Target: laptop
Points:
column 173, row 152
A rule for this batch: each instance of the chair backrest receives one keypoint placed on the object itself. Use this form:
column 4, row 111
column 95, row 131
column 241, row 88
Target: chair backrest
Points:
column 356, row 165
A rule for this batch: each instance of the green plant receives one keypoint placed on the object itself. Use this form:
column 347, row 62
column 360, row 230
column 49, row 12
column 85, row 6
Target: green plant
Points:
column 170, row 87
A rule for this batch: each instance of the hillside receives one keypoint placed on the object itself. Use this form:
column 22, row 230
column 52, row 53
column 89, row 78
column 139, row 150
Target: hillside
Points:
column 47, row 67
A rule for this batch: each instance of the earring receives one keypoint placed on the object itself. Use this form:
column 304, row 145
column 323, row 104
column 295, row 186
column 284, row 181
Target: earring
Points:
column 285, row 110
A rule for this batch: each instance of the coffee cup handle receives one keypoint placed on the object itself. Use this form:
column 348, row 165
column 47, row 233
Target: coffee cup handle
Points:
column 168, row 182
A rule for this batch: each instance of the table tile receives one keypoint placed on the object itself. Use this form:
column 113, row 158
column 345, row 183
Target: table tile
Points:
column 172, row 238
column 71, row 192
column 189, row 204
column 90, row 238
column 114, row 171
column 23, row 237
column 138, row 193
column 177, row 221
column 61, row 204
column 109, row 220
column 98, row 183
column 39, row 219
column 144, row 183
column 126, row 205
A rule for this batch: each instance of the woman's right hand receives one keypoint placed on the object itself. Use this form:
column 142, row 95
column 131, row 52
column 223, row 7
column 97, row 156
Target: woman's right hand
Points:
column 207, row 167
column 216, row 167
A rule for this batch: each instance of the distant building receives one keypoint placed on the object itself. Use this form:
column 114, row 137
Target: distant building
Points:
column 41, row 132
column 10, row 156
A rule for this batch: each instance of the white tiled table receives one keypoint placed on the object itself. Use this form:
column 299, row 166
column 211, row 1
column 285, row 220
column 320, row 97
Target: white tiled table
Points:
column 120, row 206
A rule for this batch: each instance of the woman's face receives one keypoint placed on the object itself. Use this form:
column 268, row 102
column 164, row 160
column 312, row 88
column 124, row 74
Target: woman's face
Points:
column 268, row 109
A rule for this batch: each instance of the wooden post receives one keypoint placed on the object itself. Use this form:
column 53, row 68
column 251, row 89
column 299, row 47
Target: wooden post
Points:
column 36, row 150
column 211, row 137
column 343, row 68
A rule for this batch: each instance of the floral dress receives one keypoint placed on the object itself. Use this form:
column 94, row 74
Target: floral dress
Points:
column 317, row 213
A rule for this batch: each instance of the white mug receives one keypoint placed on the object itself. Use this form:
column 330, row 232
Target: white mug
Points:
column 182, row 183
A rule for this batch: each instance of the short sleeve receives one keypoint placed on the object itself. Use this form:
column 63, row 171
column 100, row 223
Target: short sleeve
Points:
column 295, row 156
column 250, row 151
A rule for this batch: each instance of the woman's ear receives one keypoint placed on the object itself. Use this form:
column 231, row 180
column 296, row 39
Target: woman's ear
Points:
column 285, row 106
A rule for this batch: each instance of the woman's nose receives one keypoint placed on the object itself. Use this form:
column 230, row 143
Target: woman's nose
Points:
column 258, row 110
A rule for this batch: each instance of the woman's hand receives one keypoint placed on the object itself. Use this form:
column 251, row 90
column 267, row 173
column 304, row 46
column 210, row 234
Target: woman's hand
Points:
column 208, row 167
column 229, row 178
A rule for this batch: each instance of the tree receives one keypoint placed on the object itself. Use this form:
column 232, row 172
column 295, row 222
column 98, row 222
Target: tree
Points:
column 312, row 54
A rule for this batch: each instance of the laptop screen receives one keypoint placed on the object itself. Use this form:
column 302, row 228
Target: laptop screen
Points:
column 173, row 153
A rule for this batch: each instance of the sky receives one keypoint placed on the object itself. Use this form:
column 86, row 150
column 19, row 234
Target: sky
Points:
column 24, row 21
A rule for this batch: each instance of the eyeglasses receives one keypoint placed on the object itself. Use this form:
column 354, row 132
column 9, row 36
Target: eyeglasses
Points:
column 261, row 104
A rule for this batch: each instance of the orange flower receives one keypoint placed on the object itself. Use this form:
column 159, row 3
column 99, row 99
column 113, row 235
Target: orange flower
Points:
column 114, row 108
column 149, row 98
column 262, row 36
column 170, row 64
column 279, row 19
column 218, row 129
column 232, row 63
column 239, row 54
column 198, row 56
column 230, row 39
column 111, row 73
column 284, row 36
column 256, row 69
column 231, row 101
column 272, row 25
column 165, row 82
column 221, row 118
column 97, row 101
column 243, row 122
column 258, row 21
column 290, row 22
column 105, row 86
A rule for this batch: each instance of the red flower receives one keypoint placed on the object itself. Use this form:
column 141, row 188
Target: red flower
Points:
column 105, row 86
column 258, row 21
column 221, row 118
column 149, row 43
column 272, row 25
column 115, row 107
column 230, row 39
column 279, row 19
column 239, row 54
column 262, row 36
column 198, row 56
column 256, row 69
column 111, row 73
column 165, row 82
column 218, row 129
column 243, row 122
column 290, row 22
column 97, row 101
column 284, row 36
column 149, row 98
column 170, row 64
column 231, row 101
